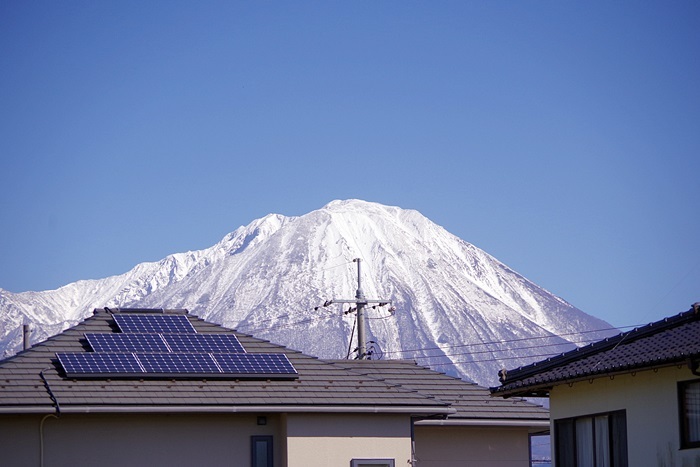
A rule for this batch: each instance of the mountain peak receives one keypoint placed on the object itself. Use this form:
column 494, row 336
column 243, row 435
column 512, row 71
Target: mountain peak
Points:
column 358, row 205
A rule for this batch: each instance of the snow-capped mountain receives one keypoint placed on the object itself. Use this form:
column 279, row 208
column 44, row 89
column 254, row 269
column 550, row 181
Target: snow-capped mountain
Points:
column 458, row 309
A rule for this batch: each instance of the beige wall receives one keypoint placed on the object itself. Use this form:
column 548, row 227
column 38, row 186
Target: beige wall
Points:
column 312, row 440
column 453, row 446
column 133, row 440
column 321, row 440
column 330, row 440
column 651, row 401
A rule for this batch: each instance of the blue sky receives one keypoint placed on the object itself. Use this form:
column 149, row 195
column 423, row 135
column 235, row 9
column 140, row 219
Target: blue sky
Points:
column 563, row 138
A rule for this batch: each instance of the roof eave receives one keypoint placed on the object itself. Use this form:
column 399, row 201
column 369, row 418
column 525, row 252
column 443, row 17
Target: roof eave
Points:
column 542, row 389
column 529, row 423
column 209, row 409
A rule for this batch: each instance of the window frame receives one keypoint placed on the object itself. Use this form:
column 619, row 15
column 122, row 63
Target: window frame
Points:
column 564, row 442
column 683, row 420
column 377, row 462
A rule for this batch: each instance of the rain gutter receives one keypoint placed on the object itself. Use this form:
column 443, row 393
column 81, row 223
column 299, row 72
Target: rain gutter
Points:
column 231, row 409
column 483, row 422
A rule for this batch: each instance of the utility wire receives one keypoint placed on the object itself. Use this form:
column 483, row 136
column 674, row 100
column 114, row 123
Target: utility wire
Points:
column 426, row 349
column 490, row 351
column 512, row 349
column 352, row 334
column 508, row 341
column 457, row 346
column 515, row 357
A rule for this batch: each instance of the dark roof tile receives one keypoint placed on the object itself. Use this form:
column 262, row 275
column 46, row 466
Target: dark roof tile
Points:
column 666, row 342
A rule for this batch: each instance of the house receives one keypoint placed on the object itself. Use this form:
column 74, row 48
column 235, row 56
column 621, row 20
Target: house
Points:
column 482, row 431
column 629, row 400
column 163, row 387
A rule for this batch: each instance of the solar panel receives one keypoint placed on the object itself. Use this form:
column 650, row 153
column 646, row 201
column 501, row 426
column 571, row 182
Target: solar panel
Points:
column 126, row 342
column 93, row 363
column 204, row 343
column 154, row 323
column 255, row 364
column 179, row 363
column 159, row 345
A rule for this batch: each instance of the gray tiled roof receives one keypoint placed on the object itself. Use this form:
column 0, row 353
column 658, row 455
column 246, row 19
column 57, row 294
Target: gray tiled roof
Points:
column 324, row 385
column 320, row 384
column 469, row 400
column 671, row 341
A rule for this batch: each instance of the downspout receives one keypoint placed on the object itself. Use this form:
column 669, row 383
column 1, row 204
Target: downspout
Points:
column 41, row 438
column 46, row 417
column 414, row 460
column 413, row 443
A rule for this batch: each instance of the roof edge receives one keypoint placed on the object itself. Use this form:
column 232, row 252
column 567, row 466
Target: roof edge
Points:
column 535, row 423
column 542, row 388
column 126, row 409
column 600, row 346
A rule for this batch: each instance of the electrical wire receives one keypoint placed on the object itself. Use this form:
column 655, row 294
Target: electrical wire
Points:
column 511, row 349
column 426, row 349
column 352, row 334
column 507, row 341
column 457, row 346
column 515, row 357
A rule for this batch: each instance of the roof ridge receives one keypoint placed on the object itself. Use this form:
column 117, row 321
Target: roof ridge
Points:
column 624, row 338
column 179, row 311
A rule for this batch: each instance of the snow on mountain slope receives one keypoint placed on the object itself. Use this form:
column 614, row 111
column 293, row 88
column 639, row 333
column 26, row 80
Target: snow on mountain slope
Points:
column 458, row 309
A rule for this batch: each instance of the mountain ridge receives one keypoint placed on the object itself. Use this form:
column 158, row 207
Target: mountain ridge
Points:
column 268, row 277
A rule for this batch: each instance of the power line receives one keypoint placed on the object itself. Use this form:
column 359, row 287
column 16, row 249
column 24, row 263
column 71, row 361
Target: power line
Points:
column 490, row 351
column 507, row 341
column 445, row 348
column 515, row 357
column 507, row 350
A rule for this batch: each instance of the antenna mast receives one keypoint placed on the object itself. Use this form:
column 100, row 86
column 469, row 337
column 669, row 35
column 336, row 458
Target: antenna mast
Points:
column 360, row 303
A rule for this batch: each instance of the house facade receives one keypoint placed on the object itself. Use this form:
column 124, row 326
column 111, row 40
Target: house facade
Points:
column 163, row 387
column 629, row 400
column 482, row 430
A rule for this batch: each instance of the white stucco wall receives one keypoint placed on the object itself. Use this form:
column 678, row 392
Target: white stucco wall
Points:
column 323, row 440
column 651, row 401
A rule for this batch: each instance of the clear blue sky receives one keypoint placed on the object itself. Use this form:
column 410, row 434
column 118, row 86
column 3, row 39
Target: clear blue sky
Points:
column 563, row 138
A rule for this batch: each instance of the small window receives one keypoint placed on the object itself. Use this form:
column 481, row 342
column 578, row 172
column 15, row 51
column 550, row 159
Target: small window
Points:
column 689, row 402
column 372, row 463
column 261, row 451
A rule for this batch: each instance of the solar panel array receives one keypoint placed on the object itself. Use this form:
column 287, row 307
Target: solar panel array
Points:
column 93, row 364
column 159, row 345
column 143, row 342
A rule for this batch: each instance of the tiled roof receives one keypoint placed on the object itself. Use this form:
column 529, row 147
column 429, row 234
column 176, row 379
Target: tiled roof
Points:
column 671, row 341
column 320, row 384
column 470, row 401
